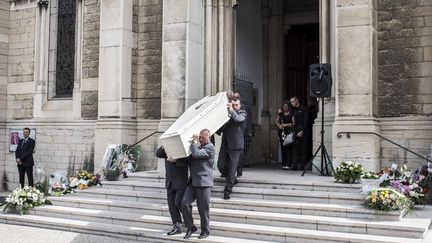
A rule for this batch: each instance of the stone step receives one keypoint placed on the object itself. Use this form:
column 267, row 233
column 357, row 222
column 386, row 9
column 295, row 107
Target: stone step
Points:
column 118, row 231
column 238, row 192
column 244, row 231
column 410, row 228
column 297, row 208
column 289, row 184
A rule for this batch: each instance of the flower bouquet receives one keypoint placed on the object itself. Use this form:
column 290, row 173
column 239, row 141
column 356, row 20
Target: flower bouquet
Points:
column 348, row 172
column 58, row 184
column 403, row 180
column 387, row 199
column 369, row 181
column 83, row 180
column 22, row 199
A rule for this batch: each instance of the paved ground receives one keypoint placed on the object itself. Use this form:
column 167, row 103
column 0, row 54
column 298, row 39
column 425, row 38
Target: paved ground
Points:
column 19, row 234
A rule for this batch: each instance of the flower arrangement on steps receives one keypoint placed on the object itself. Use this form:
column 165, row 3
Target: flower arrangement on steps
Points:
column 22, row 199
column 348, row 172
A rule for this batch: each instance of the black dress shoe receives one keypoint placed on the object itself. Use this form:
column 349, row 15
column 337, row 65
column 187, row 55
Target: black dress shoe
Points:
column 204, row 235
column 174, row 231
column 226, row 196
column 223, row 175
column 239, row 173
column 236, row 181
column 189, row 232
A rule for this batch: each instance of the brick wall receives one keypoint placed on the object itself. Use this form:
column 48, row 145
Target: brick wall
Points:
column 21, row 63
column 90, row 57
column 149, row 59
column 405, row 57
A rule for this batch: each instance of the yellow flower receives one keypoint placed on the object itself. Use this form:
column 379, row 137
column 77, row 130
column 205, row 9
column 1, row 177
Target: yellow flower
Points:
column 374, row 200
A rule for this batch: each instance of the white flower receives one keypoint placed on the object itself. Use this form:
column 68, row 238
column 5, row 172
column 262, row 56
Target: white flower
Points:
column 351, row 168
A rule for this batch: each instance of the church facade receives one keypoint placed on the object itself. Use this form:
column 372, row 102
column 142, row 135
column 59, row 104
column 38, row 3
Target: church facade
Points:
column 87, row 73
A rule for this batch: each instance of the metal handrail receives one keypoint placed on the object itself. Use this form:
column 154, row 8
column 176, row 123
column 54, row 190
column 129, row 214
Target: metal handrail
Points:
column 151, row 134
column 339, row 135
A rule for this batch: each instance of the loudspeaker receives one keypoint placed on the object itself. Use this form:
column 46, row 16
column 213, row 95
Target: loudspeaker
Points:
column 320, row 80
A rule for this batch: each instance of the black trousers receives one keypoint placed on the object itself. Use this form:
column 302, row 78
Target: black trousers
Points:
column 25, row 170
column 287, row 154
column 227, row 165
column 174, row 198
column 299, row 154
column 202, row 195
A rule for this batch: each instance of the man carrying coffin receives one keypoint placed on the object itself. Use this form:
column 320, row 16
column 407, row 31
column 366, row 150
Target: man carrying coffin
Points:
column 176, row 176
column 232, row 144
column 200, row 183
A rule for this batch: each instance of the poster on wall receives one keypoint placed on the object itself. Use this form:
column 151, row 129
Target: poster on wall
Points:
column 15, row 135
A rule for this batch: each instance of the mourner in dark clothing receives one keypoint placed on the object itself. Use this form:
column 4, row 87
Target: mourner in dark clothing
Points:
column 301, row 115
column 232, row 144
column 248, row 134
column 24, row 157
column 284, row 122
column 176, row 176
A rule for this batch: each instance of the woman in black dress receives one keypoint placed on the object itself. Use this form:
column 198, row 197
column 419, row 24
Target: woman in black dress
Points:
column 284, row 122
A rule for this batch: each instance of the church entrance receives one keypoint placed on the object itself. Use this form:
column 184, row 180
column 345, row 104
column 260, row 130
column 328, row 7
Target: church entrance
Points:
column 275, row 42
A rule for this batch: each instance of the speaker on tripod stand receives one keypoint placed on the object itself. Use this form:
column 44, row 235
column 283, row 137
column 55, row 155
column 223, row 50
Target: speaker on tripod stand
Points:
column 320, row 83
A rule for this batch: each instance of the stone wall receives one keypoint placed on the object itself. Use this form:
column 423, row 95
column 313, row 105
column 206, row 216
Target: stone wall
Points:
column 60, row 146
column 21, row 63
column 414, row 133
column 90, row 57
column 4, row 46
column 405, row 57
column 149, row 59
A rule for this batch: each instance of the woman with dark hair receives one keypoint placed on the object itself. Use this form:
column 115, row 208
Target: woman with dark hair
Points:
column 284, row 121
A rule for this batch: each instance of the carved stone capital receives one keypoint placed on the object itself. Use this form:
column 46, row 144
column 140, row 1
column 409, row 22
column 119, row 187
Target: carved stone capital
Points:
column 43, row 3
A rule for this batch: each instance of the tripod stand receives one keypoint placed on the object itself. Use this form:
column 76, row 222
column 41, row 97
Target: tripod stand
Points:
column 325, row 158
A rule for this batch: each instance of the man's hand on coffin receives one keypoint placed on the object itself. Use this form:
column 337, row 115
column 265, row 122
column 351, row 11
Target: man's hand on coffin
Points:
column 171, row 160
column 195, row 139
column 230, row 106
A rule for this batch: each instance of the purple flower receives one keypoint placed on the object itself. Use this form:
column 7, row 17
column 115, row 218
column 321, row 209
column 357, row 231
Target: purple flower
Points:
column 395, row 184
column 405, row 189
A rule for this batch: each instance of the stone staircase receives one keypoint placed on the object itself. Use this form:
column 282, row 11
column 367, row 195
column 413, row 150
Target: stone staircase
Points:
column 261, row 210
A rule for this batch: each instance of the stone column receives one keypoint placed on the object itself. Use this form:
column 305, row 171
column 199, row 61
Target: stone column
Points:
column 219, row 45
column 356, row 83
column 115, row 116
column 326, row 26
column 182, row 56
column 4, row 47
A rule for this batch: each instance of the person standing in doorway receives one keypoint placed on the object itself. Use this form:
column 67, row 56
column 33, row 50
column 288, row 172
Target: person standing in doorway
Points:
column 232, row 144
column 284, row 122
column 176, row 177
column 200, row 183
column 300, row 114
column 24, row 157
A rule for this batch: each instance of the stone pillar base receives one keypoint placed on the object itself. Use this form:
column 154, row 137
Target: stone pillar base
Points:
column 364, row 148
column 112, row 131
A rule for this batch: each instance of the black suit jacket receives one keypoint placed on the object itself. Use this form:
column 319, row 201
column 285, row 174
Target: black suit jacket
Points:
column 24, row 152
column 176, row 175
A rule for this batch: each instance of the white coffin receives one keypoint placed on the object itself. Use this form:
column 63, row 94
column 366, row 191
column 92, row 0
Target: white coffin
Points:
column 210, row 112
